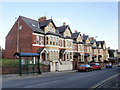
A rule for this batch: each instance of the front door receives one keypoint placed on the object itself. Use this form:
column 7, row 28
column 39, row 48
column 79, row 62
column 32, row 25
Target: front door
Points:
column 43, row 56
column 75, row 63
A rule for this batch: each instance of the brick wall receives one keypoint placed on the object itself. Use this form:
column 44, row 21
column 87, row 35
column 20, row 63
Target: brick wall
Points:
column 15, row 69
column 25, row 39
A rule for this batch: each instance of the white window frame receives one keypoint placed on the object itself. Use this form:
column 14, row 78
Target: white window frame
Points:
column 51, row 39
column 42, row 40
column 37, row 39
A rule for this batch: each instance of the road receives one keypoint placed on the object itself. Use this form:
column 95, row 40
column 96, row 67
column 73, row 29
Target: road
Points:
column 65, row 80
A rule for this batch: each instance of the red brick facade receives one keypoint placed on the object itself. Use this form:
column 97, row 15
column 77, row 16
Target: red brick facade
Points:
column 25, row 39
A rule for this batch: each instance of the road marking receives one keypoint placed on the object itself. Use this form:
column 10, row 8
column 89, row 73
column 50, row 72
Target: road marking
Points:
column 40, row 84
column 100, row 83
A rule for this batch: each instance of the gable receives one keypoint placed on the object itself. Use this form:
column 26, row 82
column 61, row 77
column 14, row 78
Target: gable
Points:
column 94, row 44
column 67, row 32
column 50, row 28
column 79, row 38
column 87, row 41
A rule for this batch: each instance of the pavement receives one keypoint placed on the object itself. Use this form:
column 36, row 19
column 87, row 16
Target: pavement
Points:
column 43, row 74
column 110, row 83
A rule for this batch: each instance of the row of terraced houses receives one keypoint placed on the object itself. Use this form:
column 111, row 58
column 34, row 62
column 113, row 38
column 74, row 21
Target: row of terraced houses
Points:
column 57, row 46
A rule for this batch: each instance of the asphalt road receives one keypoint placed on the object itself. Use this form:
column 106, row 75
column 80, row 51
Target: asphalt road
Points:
column 65, row 80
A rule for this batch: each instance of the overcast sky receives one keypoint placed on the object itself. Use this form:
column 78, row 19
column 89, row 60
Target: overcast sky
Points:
column 92, row 18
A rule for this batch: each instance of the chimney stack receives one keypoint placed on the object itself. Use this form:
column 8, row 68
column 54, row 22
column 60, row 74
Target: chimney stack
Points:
column 76, row 31
column 64, row 23
column 42, row 19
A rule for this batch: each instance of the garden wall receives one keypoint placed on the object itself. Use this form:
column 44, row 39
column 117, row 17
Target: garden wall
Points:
column 15, row 69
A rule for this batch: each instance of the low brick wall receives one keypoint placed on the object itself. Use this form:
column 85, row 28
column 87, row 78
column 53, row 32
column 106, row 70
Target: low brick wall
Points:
column 15, row 69
column 10, row 70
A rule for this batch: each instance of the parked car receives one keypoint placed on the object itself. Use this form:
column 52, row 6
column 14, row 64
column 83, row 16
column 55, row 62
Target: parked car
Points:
column 84, row 67
column 118, row 64
column 109, row 65
column 95, row 66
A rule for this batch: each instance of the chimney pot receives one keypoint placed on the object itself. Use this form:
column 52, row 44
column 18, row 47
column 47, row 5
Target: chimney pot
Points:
column 42, row 19
column 64, row 23
column 76, row 31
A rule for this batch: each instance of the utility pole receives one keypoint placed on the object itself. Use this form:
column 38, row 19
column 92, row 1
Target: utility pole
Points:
column 18, row 23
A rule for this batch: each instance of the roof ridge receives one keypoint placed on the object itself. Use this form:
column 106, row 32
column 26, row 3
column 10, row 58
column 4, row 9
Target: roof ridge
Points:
column 28, row 18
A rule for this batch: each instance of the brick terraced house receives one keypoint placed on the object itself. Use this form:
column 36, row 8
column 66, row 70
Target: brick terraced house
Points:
column 57, row 46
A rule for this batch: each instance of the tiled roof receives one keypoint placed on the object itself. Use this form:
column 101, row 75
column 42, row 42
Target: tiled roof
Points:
column 61, row 29
column 85, row 37
column 36, row 26
column 52, row 33
column 46, row 22
column 100, row 42
column 33, row 24
column 75, row 35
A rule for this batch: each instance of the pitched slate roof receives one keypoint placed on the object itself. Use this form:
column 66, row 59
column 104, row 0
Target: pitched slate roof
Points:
column 62, row 29
column 36, row 26
column 33, row 24
column 46, row 22
column 100, row 42
column 52, row 33
column 75, row 35
column 85, row 37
